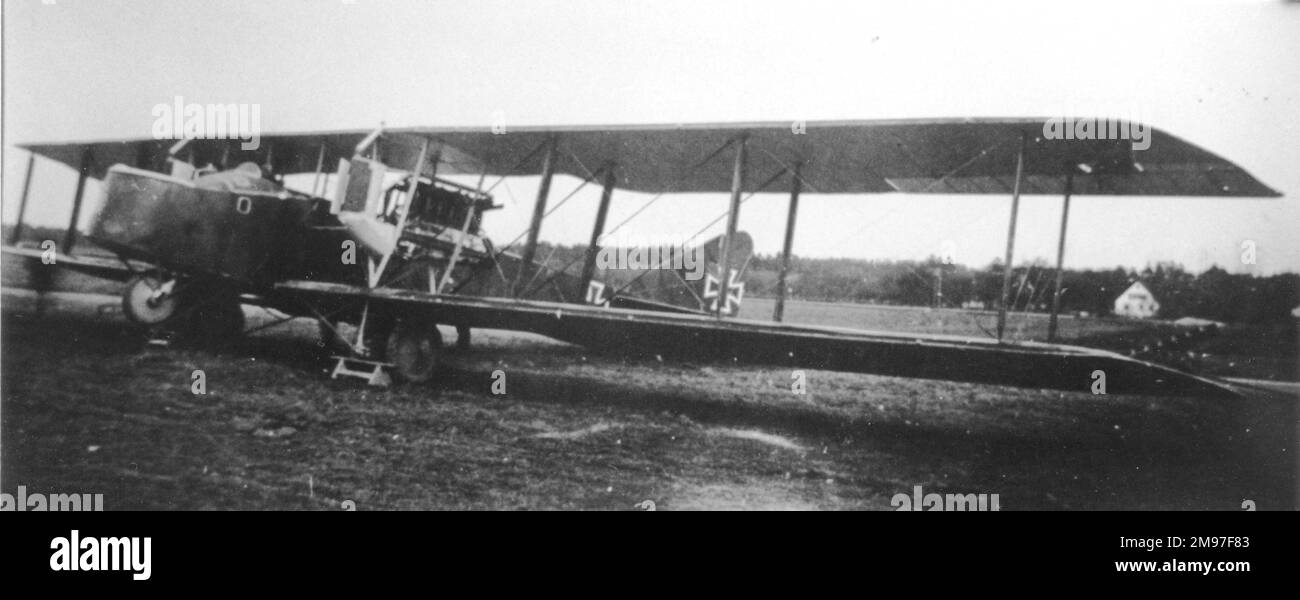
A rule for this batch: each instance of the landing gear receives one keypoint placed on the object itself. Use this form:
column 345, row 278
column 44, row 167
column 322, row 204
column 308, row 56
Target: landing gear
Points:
column 407, row 348
column 462, row 337
column 205, row 311
column 413, row 349
column 149, row 300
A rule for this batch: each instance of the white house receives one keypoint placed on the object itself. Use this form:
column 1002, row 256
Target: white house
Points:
column 1137, row 302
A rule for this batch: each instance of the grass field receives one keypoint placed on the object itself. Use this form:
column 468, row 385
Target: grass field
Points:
column 90, row 407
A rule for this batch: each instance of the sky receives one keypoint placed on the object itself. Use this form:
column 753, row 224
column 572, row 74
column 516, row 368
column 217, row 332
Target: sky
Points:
column 1223, row 75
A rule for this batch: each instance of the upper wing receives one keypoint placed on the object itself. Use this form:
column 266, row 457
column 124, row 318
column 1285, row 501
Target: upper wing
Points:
column 942, row 156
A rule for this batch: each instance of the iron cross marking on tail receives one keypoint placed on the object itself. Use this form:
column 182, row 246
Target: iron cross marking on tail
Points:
column 735, row 292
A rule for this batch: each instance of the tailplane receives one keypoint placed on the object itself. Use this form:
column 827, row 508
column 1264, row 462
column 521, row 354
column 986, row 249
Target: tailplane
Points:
column 691, row 281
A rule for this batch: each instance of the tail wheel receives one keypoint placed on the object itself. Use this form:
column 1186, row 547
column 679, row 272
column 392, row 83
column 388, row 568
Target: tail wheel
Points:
column 413, row 349
column 147, row 301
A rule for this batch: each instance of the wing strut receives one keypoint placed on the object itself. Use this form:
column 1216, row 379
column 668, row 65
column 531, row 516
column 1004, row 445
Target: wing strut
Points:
column 539, row 211
column 320, row 169
column 70, row 236
column 795, row 187
column 1060, row 253
column 406, row 208
column 733, row 216
column 17, row 233
column 597, row 230
column 1011, row 238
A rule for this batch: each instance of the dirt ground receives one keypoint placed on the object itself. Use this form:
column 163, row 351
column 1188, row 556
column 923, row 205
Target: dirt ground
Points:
column 90, row 407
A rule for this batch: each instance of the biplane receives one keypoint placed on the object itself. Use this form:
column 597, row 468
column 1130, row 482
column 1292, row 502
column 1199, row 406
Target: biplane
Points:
column 198, row 226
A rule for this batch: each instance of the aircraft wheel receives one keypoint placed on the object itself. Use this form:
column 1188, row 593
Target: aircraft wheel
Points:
column 145, row 301
column 462, row 337
column 413, row 348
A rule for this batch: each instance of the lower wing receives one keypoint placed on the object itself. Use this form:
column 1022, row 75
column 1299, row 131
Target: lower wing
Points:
column 706, row 338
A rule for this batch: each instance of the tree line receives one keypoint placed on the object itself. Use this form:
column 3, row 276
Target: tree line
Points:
column 1213, row 294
